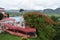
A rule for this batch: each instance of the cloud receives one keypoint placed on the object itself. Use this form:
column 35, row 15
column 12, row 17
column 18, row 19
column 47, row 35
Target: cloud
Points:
column 29, row 4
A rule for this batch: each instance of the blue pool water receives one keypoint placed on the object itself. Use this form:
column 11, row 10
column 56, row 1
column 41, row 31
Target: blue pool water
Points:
column 17, row 18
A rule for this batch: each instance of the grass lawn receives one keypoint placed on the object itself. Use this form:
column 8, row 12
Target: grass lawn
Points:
column 6, row 36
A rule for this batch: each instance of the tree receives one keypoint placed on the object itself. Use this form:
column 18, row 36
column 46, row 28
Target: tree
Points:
column 21, row 10
column 54, row 18
column 1, row 16
column 45, row 30
column 57, row 28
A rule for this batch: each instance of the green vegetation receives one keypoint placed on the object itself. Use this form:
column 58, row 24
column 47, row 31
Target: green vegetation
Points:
column 6, row 36
column 21, row 10
column 45, row 28
column 42, row 23
column 1, row 16
column 57, row 27
column 54, row 18
column 13, row 14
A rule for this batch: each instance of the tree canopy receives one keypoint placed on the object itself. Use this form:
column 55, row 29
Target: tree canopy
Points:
column 21, row 10
column 42, row 23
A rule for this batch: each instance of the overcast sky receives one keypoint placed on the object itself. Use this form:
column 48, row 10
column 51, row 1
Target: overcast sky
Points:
column 30, row 4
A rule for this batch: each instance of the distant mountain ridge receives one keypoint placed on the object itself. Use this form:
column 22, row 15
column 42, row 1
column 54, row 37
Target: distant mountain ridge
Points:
column 57, row 10
column 52, row 11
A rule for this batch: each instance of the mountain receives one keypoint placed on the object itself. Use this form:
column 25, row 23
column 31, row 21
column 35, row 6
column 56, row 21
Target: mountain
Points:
column 48, row 11
column 12, row 11
column 57, row 10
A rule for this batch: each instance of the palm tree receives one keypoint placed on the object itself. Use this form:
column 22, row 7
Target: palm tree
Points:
column 21, row 10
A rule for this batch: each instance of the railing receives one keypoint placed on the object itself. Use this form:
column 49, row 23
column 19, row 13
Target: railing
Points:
column 2, row 24
column 1, row 27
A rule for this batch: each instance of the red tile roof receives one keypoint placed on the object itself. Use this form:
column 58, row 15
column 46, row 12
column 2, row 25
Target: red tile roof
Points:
column 12, row 19
column 19, row 28
column 5, row 14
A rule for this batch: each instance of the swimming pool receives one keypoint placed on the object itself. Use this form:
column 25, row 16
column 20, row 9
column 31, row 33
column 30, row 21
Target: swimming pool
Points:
column 17, row 18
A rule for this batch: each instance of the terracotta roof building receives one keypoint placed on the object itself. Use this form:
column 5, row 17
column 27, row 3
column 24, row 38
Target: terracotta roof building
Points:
column 1, row 9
